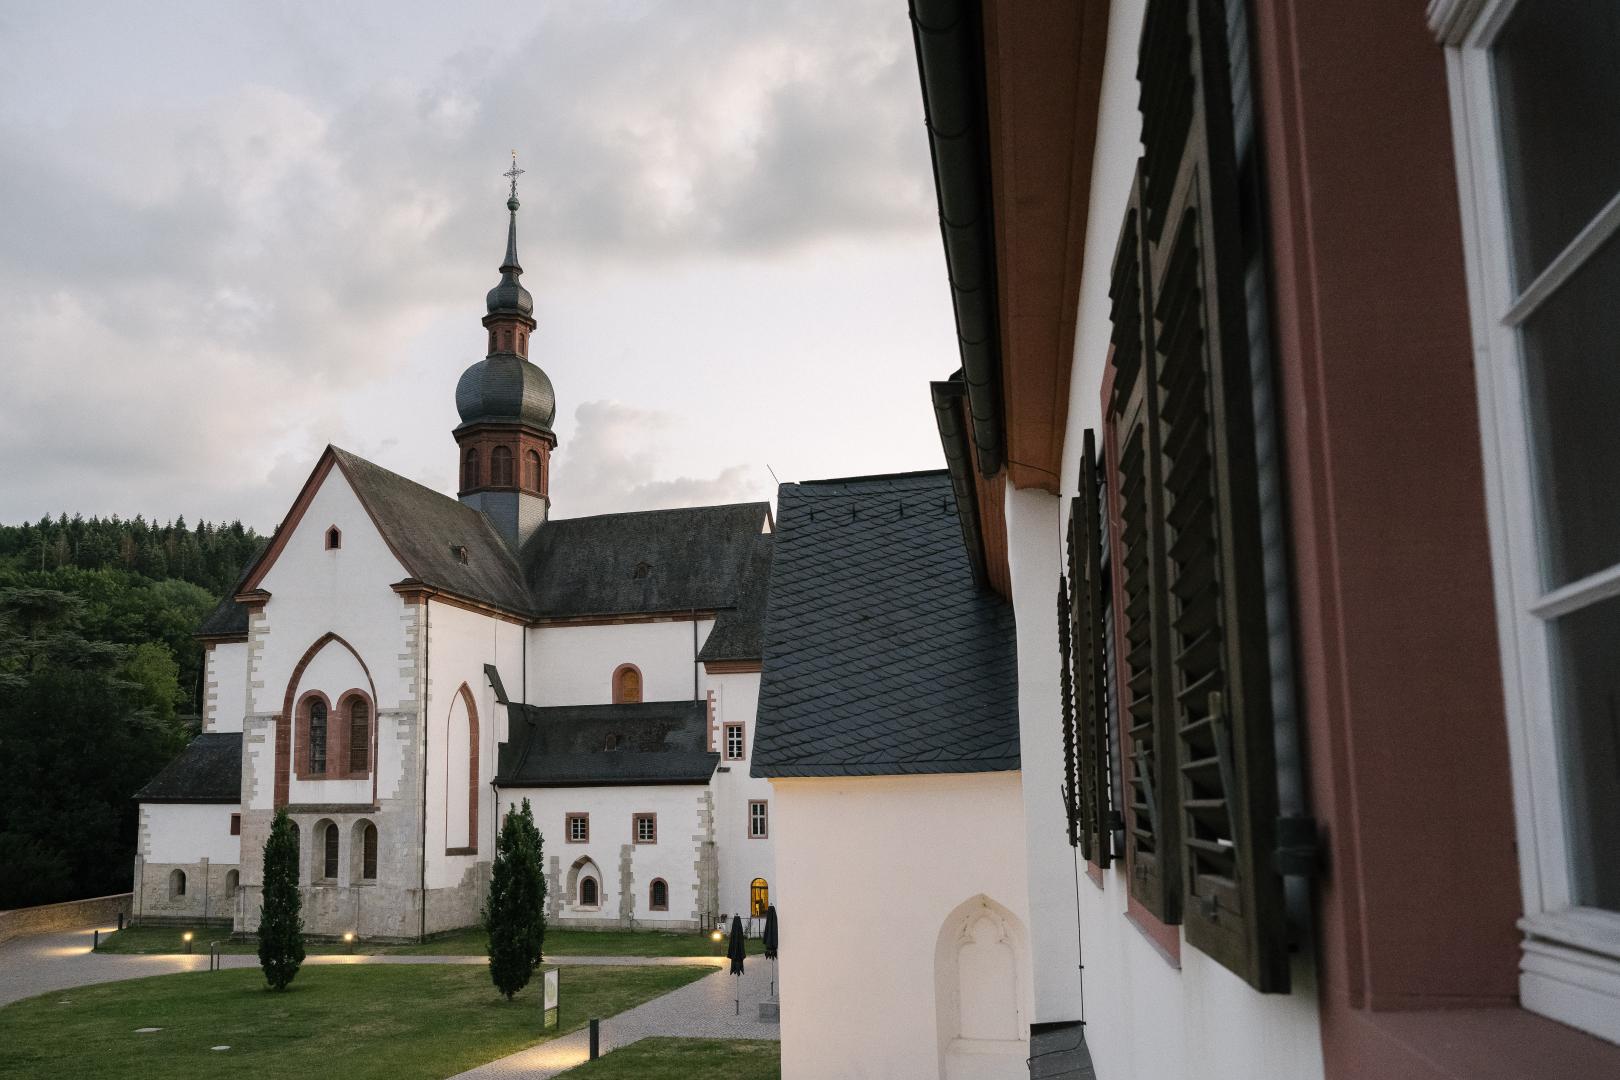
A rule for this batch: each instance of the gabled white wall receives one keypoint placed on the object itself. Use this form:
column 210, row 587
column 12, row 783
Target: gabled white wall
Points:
column 741, row 858
column 188, row 833
column 224, row 686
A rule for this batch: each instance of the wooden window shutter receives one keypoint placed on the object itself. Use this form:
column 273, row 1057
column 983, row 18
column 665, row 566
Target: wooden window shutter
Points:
column 1091, row 660
column 1152, row 844
column 1071, row 770
column 1220, row 682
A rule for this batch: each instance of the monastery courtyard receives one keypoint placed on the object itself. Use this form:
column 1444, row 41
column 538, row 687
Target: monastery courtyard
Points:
column 705, row 1008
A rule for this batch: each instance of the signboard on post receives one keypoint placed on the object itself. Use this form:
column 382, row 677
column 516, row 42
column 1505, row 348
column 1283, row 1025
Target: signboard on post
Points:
column 550, row 1010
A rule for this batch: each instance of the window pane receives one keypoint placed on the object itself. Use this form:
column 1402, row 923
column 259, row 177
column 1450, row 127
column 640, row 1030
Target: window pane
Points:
column 1572, row 383
column 1558, row 89
column 1586, row 648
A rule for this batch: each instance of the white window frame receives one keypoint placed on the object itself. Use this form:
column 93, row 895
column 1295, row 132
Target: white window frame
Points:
column 764, row 807
column 1570, row 967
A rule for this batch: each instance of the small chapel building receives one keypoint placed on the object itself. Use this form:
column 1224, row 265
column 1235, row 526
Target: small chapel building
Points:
column 399, row 668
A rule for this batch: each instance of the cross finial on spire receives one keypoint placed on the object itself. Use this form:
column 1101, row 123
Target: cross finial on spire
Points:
column 513, row 173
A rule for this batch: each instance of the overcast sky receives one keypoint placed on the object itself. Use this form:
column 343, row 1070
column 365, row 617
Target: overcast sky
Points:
column 233, row 233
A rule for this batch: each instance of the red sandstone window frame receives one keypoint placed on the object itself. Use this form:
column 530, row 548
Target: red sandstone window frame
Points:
column 652, row 895
column 334, row 538
column 762, row 819
column 344, row 713
column 637, row 820
column 742, row 741
column 502, row 467
column 469, row 470
column 621, row 695
column 584, row 820
column 533, row 470
column 302, row 738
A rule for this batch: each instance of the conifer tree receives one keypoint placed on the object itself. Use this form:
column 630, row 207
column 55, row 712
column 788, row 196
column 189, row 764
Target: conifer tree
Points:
column 281, row 923
column 515, row 915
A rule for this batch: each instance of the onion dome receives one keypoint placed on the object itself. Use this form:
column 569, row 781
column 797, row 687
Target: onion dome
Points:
column 504, row 388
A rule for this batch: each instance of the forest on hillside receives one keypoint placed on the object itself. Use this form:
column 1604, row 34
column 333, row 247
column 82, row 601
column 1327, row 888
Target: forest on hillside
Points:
column 99, row 686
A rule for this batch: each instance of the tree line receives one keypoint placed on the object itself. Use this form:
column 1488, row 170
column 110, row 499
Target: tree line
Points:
column 100, row 685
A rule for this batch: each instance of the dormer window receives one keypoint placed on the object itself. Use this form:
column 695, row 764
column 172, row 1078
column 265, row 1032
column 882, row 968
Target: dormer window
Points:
column 334, row 538
column 460, row 552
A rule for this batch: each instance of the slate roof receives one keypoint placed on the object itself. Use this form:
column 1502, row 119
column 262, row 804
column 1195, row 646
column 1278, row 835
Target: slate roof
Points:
column 209, row 770
column 654, row 742
column 648, row 561
column 881, row 656
column 424, row 527
column 739, row 632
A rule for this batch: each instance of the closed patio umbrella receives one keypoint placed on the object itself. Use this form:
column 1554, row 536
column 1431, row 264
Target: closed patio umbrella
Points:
column 737, row 950
column 770, row 944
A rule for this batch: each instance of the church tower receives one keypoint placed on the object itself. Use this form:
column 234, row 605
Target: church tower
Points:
column 507, row 406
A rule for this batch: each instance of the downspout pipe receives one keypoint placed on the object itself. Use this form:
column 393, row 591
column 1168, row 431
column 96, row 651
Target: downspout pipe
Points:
column 427, row 679
column 950, row 62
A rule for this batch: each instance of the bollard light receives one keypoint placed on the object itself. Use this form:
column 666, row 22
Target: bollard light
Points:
column 186, row 937
column 716, row 936
column 348, row 939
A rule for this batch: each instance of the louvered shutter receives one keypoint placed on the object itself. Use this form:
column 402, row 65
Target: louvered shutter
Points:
column 1092, row 653
column 1219, row 706
column 1152, row 848
column 1071, row 795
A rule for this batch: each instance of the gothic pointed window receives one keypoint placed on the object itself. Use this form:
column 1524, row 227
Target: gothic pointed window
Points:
column 500, row 467
column 317, row 737
column 469, row 470
column 359, row 735
column 531, row 471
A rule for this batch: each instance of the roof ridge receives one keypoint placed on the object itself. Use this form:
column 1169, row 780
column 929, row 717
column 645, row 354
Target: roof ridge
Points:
column 829, row 481
column 663, row 510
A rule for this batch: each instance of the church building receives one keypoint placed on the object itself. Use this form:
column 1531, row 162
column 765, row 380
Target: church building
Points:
column 399, row 668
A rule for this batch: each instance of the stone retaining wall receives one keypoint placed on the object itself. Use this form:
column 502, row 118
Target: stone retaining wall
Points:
column 96, row 911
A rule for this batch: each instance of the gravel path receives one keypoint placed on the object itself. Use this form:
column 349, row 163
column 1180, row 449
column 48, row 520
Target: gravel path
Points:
column 40, row 963
column 703, row 1009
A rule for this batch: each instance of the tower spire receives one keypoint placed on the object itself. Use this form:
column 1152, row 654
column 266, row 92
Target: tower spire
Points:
column 511, row 264
column 510, row 297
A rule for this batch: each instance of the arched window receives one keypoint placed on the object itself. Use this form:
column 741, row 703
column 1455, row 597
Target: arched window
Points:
column 658, row 895
column 626, row 684
column 359, row 735
column 177, row 884
column 506, row 338
column 233, row 881
column 329, row 863
column 469, row 470
column 334, row 538
column 317, row 737
column 587, row 892
column 500, row 467
column 531, row 470
column 368, row 852
column 523, row 342
column 759, row 897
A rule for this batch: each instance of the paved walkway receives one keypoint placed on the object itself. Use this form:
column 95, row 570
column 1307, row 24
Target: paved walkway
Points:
column 41, row 963
column 702, row 1010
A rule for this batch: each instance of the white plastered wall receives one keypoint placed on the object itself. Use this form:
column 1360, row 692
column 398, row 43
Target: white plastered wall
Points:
column 1146, row 1020
column 574, row 665
column 674, row 857
column 188, row 833
column 224, row 686
column 741, row 859
column 876, row 867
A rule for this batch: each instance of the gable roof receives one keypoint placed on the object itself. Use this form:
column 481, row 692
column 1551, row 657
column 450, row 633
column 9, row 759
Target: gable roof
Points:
column 209, row 770
column 739, row 632
column 654, row 742
column 646, row 561
column 881, row 656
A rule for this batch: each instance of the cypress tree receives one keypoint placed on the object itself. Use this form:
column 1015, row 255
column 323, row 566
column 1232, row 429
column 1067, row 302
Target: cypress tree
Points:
column 515, row 915
column 281, row 924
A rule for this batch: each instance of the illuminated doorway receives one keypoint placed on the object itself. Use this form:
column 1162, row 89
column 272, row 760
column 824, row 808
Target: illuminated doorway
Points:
column 759, row 898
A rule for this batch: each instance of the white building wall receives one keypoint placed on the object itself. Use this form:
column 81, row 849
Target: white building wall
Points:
column 574, row 665
column 188, row 833
column 1146, row 1019
column 224, row 686
column 626, row 869
column 878, row 865
column 741, row 858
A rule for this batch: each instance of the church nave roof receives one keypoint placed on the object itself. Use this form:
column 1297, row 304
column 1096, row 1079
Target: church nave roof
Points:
column 651, row 742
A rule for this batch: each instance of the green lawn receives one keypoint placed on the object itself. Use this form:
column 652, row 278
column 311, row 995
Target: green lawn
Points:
column 147, row 940
column 361, row 1022
column 682, row 1059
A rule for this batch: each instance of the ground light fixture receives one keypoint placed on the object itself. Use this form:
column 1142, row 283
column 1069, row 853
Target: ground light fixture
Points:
column 348, row 939
column 186, row 937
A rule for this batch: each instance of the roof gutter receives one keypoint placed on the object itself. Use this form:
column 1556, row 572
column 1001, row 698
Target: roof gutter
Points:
column 953, row 437
column 950, row 61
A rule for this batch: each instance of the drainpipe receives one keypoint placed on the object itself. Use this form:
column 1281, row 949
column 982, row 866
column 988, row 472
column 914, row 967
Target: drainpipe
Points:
column 694, row 658
column 427, row 645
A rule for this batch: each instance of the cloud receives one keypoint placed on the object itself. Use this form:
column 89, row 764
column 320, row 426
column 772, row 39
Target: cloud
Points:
column 612, row 461
column 181, row 320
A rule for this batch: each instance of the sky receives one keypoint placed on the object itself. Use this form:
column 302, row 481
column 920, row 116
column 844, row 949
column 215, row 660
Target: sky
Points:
column 231, row 233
